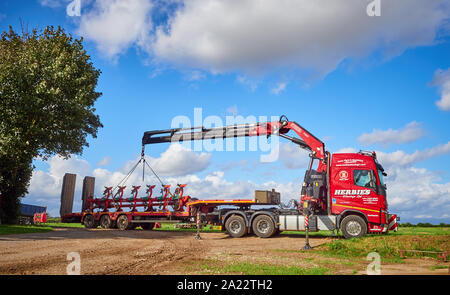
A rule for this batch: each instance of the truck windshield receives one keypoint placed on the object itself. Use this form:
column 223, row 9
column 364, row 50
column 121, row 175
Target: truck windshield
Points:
column 380, row 176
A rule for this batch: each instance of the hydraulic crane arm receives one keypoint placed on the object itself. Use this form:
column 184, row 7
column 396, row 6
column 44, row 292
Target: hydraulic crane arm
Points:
column 280, row 128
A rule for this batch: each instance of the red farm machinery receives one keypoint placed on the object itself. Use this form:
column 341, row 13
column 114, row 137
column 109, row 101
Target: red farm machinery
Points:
column 344, row 192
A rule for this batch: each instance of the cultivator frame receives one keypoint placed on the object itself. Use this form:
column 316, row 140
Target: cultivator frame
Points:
column 166, row 202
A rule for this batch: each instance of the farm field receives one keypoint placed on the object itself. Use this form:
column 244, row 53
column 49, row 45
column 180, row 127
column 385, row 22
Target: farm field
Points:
column 174, row 251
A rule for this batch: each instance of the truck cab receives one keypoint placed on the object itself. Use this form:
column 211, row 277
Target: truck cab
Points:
column 357, row 188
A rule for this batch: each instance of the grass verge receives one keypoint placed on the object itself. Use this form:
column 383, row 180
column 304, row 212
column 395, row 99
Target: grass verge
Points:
column 421, row 231
column 387, row 246
column 6, row 229
column 211, row 266
column 434, row 267
column 60, row 224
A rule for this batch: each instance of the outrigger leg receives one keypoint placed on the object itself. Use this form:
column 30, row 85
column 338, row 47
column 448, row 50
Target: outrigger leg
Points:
column 307, row 246
column 197, row 236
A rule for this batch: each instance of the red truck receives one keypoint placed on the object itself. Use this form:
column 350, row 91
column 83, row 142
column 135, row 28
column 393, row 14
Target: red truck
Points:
column 344, row 192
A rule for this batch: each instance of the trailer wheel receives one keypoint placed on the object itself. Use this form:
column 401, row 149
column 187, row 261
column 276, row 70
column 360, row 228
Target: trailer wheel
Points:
column 123, row 223
column 89, row 221
column 235, row 226
column 148, row 226
column 105, row 221
column 263, row 226
column 353, row 226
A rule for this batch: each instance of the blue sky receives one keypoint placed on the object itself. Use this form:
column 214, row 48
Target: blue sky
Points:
column 332, row 68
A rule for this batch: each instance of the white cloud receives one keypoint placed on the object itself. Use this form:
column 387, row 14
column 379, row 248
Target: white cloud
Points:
column 115, row 25
column 293, row 157
column 105, row 161
column 178, row 160
column 417, row 193
column 252, row 36
column 279, row 88
column 400, row 158
column 411, row 132
column 59, row 166
column 442, row 81
column 346, row 150
column 45, row 186
column 215, row 186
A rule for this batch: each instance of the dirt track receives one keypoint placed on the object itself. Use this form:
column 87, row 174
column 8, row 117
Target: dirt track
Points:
column 157, row 252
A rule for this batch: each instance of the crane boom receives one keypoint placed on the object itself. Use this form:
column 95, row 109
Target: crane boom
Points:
column 280, row 128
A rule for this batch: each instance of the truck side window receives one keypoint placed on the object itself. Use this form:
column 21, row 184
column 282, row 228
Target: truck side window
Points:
column 363, row 178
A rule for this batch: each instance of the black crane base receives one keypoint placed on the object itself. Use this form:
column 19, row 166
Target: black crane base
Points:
column 307, row 247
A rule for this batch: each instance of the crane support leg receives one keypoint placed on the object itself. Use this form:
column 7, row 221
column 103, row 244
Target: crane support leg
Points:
column 197, row 236
column 307, row 246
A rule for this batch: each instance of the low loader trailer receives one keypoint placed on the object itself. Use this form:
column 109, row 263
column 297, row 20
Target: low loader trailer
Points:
column 345, row 192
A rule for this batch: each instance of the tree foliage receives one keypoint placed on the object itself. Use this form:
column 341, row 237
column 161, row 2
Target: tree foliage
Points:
column 47, row 96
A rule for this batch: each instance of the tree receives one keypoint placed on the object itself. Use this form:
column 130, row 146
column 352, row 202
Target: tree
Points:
column 47, row 96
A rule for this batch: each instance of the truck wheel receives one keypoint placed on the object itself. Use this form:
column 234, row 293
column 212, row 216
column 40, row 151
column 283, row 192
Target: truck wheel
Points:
column 235, row 226
column 353, row 226
column 263, row 226
column 147, row 226
column 105, row 221
column 123, row 223
column 89, row 221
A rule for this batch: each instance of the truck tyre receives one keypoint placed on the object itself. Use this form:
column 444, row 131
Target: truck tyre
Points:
column 263, row 226
column 89, row 221
column 123, row 223
column 148, row 226
column 235, row 226
column 105, row 221
column 353, row 226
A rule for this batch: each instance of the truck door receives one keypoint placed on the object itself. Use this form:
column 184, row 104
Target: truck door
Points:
column 355, row 189
column 366, row 196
